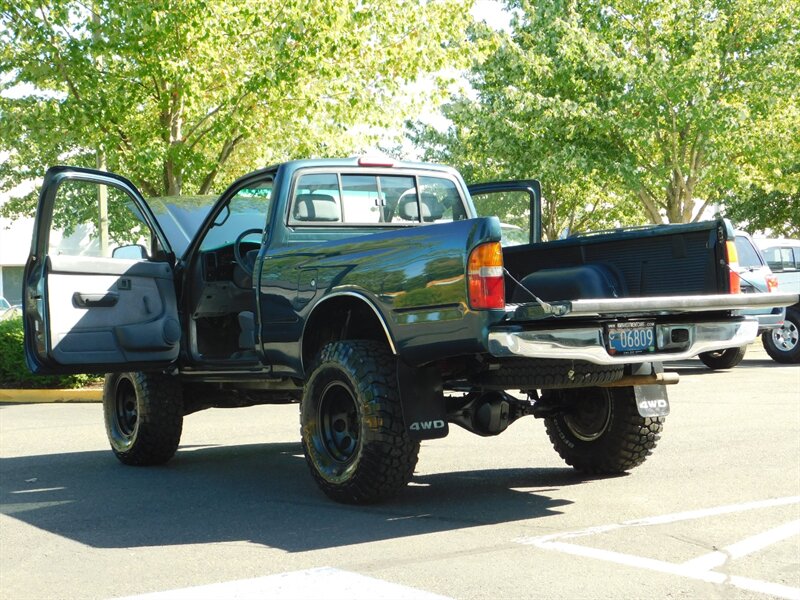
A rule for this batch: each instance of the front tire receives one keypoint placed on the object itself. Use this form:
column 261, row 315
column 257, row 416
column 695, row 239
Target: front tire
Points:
column 783, row 344
column 354, row 438
column 144, row 417
column 600, row 430
column 723, row 359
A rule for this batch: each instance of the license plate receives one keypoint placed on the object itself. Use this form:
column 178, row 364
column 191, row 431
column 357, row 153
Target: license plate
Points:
column 631, row 338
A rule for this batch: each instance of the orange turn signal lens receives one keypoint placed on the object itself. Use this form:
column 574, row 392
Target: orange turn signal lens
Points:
column 485, row 279
column 734, row 281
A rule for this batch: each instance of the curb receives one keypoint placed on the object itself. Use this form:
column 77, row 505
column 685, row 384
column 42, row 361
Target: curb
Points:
column 29, row 396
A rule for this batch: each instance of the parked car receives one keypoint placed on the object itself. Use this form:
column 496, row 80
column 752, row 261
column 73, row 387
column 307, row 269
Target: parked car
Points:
column 783, row 257
column 4, row 305
column 755, row 276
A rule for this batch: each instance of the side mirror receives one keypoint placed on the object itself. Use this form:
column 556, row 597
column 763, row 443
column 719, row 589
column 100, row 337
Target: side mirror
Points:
column 133, row 251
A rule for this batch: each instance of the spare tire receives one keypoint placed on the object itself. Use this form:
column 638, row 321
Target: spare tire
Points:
column 723, row 359
column 547, row 373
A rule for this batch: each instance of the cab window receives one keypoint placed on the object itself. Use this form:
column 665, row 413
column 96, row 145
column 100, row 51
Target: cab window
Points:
column 374, row 199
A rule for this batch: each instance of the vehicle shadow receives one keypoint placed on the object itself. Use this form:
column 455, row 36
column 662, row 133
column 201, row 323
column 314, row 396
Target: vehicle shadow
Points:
column 261, row 493
column 696, row 367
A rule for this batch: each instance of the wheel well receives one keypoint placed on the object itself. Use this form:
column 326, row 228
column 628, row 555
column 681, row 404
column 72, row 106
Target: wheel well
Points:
column 341, row 318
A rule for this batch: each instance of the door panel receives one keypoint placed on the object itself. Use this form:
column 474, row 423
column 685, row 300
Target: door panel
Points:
column 122, row 310
column 86, row 311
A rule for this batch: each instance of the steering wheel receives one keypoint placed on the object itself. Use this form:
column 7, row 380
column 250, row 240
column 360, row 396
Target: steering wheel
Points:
column 237, row 250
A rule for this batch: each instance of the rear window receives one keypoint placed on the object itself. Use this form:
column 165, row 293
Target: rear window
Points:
column 782, row 258
column 374, row 199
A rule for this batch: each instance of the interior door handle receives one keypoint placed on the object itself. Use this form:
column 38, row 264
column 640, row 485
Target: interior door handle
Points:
column 107, row 299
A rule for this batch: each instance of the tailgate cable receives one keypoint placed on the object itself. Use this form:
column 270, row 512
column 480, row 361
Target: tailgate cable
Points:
column 546, row 306
column 743, row 278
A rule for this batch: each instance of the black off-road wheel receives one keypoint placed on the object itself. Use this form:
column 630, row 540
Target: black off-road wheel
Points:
column 723, row 359
column 354, row 438
column 144, row 417
column 600, row 431
column 783, row 344
column 545, row 373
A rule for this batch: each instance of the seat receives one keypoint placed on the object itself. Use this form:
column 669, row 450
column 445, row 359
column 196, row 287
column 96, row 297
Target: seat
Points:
column 408, row 209
column 316, row 207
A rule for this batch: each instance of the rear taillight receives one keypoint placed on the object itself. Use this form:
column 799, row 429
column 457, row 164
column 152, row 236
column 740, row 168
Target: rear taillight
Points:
column 772, row 283
column 732, row 256
column 487, row 289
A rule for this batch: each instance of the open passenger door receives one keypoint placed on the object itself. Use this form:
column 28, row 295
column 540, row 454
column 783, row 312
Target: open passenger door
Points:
column 517, row 203
column 98, row 294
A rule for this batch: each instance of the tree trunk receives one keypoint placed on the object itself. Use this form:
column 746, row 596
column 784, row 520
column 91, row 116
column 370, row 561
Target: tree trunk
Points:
column 173, row 119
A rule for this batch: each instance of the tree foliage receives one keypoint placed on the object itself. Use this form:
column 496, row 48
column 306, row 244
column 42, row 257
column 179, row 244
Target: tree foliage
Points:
column 771, row 204
column 669, row 105
column 179, row 95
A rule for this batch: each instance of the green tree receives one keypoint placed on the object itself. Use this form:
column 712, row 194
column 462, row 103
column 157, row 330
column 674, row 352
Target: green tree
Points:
column 666, row 104
column 180, row 95
column 771, row 203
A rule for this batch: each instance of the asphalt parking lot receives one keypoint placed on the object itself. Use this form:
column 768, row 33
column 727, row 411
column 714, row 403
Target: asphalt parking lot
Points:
column 715, row 512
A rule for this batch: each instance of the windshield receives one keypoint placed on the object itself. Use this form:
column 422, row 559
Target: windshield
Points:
column 246, row 210
column 180, row 217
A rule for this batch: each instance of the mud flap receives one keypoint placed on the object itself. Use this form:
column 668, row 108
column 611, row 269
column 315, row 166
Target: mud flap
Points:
column 651, row 400
column 422, row 399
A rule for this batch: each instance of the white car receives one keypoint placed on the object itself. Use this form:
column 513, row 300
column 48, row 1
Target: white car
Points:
column 783, row 257
column 755, row 276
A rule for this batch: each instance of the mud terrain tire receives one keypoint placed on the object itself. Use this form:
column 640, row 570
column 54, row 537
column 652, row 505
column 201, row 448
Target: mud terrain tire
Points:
column 600, row 430
column 354, row 438
column 144, row 416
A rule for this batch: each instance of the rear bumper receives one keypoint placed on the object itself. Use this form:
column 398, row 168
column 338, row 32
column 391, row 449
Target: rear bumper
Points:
column 768, row 320
column 589, row 343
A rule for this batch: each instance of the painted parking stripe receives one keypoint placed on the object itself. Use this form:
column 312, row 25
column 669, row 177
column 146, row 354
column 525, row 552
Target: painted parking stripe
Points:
column 700, row 568
column 752, row 544
column 322, row 582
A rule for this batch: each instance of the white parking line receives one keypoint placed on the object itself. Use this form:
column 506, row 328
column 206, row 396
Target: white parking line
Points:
column 743, row 548
column 323, row 582
column 700, row 568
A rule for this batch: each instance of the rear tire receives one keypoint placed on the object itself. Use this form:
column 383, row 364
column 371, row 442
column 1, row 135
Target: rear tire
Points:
column 354, row 438
column 783, row 344
column 144, row 417
column 600, row 429
column 723, row 359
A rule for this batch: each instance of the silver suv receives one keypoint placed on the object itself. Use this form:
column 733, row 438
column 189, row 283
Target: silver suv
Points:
column 755, row 276
column 783, row 257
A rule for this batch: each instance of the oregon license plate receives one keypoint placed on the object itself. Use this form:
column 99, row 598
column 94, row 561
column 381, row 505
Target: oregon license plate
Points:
column 631, row 338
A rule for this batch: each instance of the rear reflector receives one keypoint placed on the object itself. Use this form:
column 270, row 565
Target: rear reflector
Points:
column 487, row 288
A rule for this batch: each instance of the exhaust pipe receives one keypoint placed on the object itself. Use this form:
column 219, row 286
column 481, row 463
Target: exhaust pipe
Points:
column 652, row 379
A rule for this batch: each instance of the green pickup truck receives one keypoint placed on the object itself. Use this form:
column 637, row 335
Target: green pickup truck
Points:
column 371, row 293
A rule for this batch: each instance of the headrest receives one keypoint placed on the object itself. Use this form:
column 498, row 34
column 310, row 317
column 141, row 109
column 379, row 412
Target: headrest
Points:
column 431, row 209
column 316, row 207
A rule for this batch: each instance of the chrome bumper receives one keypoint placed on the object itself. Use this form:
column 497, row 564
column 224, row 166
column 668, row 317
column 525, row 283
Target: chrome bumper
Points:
column 588, row 343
